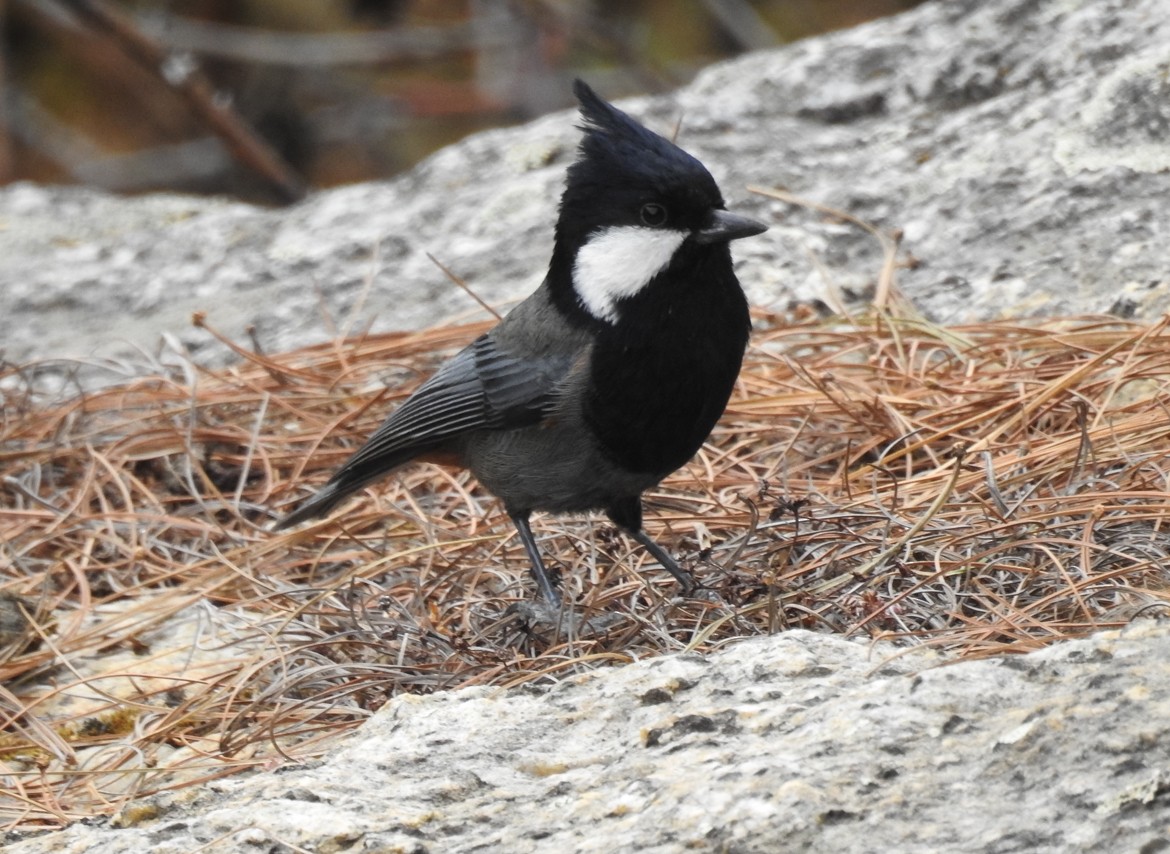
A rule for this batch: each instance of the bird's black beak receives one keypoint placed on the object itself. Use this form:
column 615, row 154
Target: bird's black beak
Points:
column 724, row 226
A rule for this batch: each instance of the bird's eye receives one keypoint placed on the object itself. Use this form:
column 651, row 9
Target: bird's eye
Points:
column 653, row 214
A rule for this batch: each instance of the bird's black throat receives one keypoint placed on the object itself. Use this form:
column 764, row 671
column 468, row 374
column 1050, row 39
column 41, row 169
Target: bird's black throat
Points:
column 662, row 375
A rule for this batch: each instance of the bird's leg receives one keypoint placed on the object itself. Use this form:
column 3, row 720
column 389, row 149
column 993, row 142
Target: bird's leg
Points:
column 685, row 579
column 627, row 514
column 520, row 520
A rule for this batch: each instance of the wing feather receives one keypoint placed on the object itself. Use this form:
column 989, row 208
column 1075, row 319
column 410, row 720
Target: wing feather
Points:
column 484, row 387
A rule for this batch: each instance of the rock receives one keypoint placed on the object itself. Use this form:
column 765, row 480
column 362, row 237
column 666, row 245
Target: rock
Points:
column 797, row 742
column 1019, row 145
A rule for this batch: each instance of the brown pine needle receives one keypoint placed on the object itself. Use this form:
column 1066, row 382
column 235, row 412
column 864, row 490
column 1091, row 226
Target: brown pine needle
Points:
column 464, row 286
column 158, row 619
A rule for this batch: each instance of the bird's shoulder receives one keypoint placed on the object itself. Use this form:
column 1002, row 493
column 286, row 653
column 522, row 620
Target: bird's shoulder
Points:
column 510, row 376
column 537, row 329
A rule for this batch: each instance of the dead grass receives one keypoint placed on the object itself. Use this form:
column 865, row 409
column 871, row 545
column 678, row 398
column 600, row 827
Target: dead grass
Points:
column 985, row 489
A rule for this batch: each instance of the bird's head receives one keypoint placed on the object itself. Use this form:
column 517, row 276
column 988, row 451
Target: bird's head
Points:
column 633, row 200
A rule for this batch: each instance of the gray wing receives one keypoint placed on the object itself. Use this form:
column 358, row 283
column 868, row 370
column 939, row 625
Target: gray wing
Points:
column 484, row 387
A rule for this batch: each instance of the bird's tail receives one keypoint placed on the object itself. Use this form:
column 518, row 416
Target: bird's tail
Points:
column 366, row 466
column 329, row 497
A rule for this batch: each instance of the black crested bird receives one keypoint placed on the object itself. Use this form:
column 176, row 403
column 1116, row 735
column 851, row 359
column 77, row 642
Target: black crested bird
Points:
column 612, row 374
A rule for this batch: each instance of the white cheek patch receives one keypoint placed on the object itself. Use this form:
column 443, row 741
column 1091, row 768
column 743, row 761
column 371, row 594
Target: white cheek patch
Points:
column 619, row 262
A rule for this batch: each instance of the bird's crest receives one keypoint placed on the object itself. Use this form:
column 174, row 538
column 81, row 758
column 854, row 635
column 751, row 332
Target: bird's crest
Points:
column 615, row 141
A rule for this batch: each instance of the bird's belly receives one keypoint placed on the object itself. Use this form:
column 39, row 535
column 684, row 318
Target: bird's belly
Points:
column 548, row 468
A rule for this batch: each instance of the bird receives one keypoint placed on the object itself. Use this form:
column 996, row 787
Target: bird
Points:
column 612, row 373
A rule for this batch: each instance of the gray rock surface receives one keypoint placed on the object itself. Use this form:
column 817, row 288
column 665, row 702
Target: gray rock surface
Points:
column 797, row 742
column 1019, row 144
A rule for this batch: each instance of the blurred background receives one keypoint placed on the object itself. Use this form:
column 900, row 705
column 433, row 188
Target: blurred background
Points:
column 265, row 99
